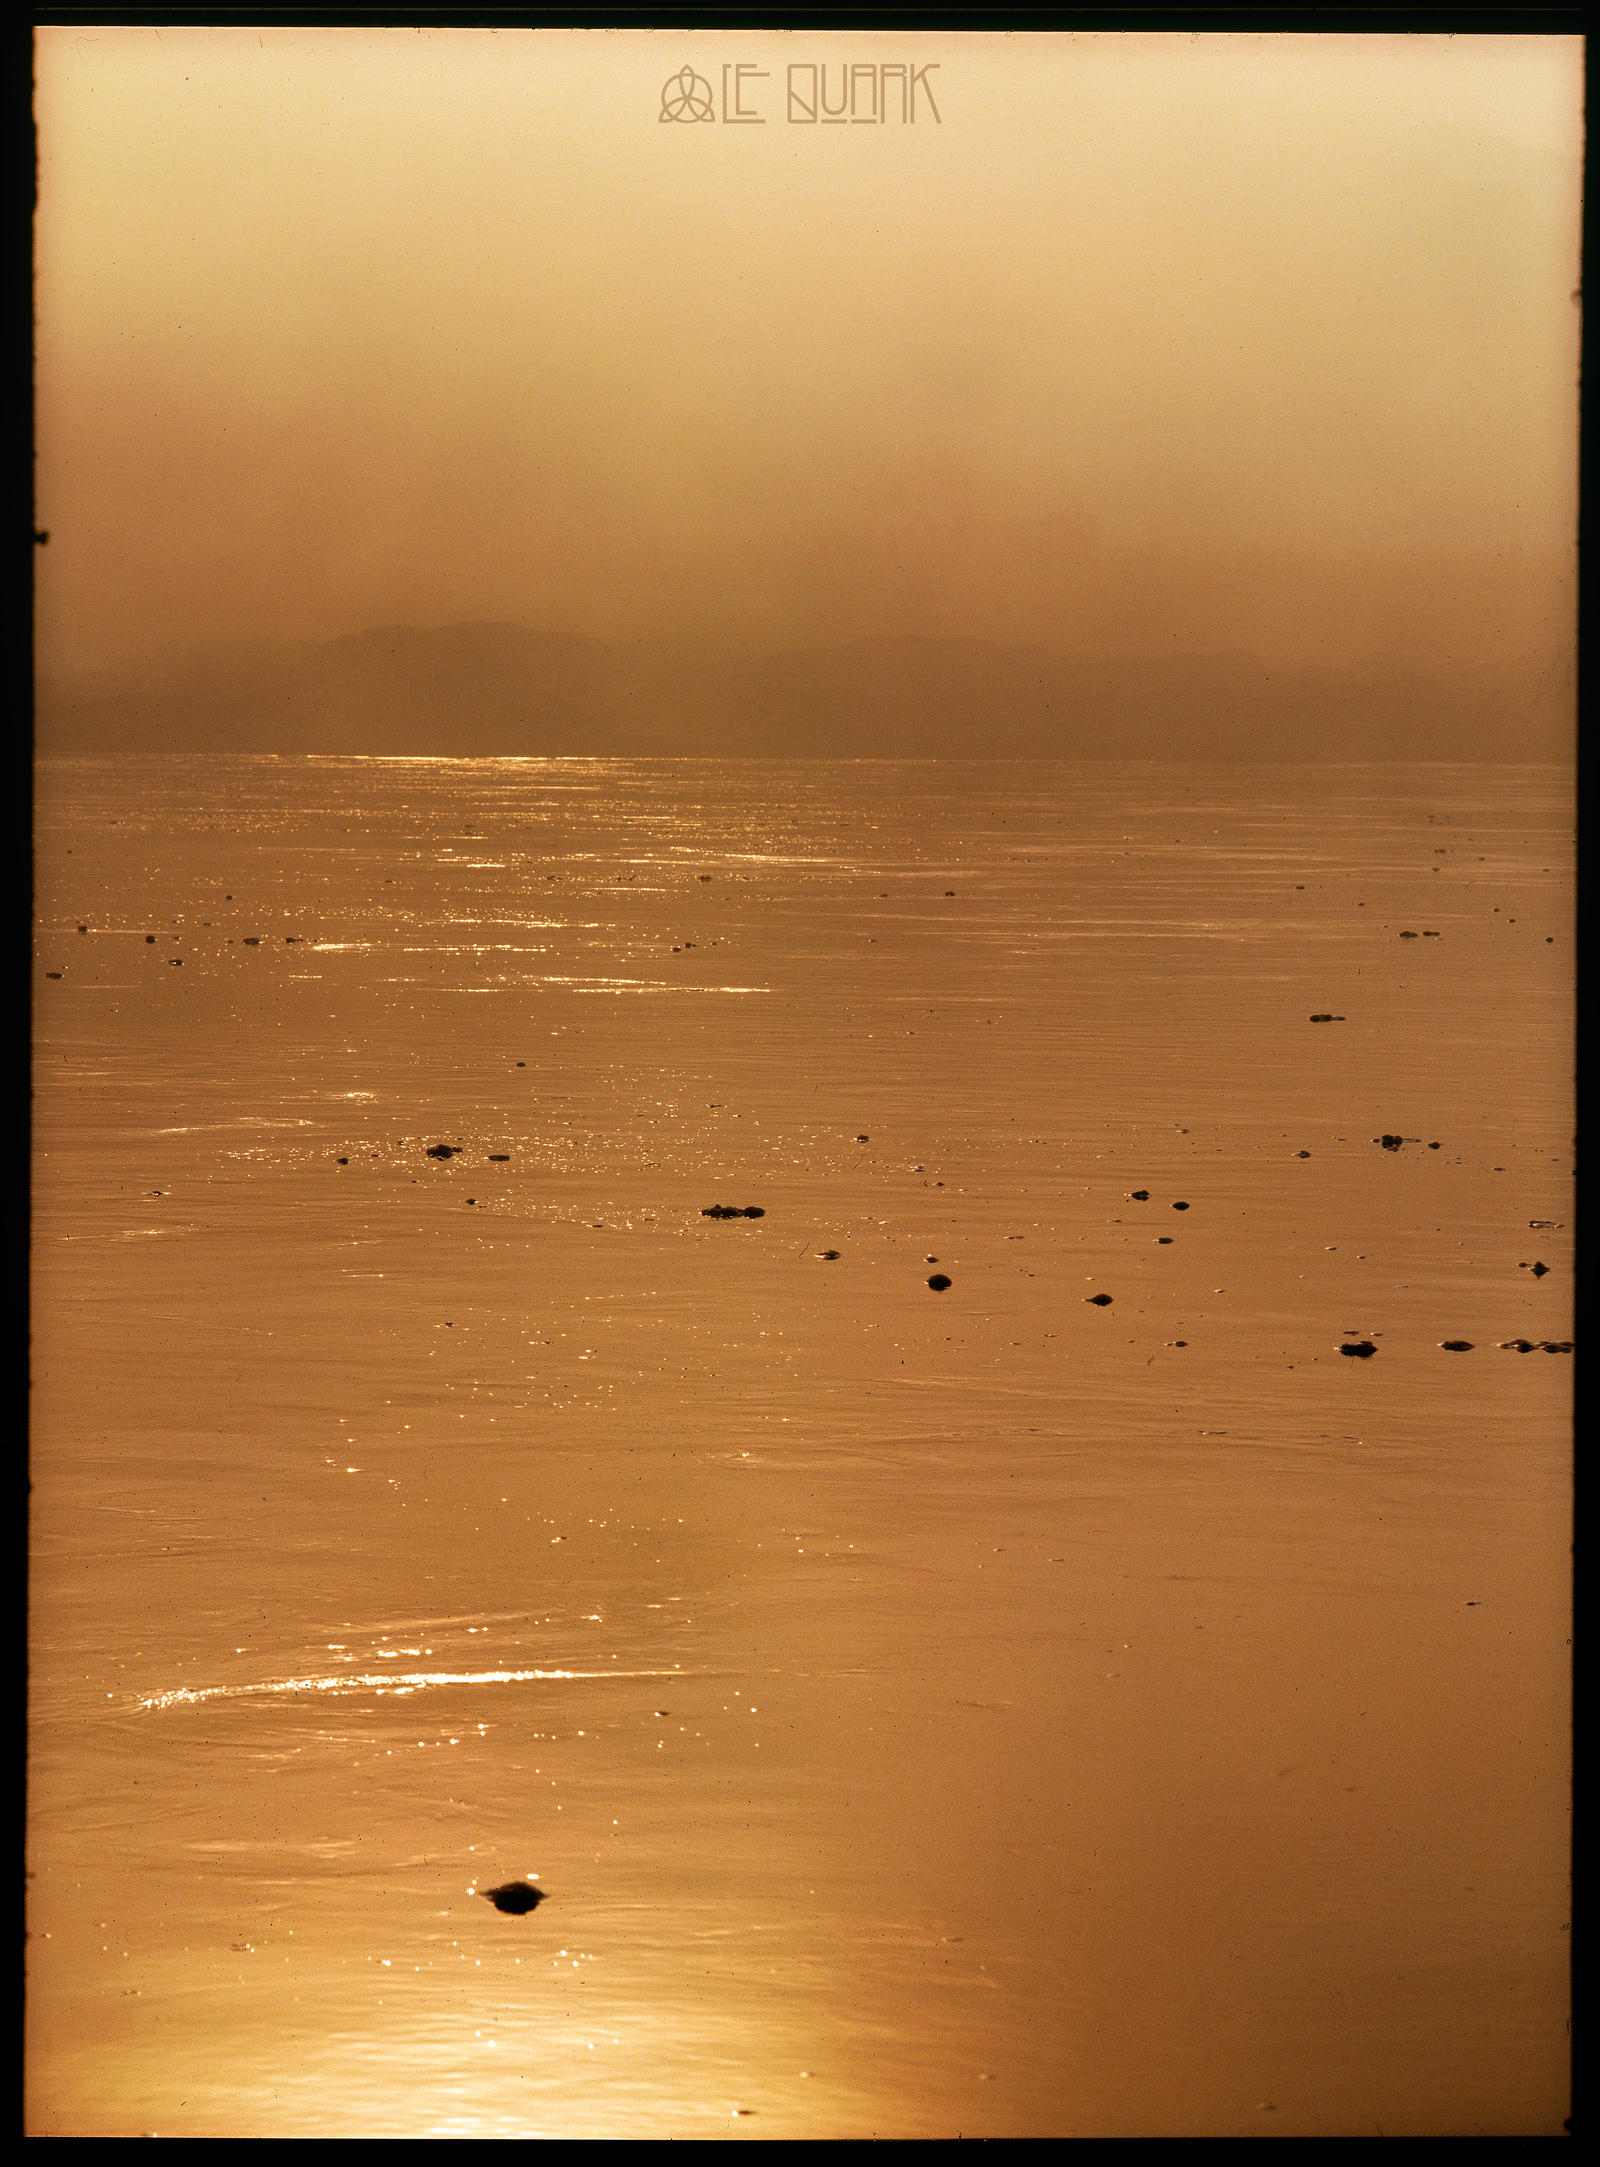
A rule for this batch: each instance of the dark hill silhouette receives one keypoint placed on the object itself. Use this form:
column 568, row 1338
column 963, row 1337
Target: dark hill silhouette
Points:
column 481, row 689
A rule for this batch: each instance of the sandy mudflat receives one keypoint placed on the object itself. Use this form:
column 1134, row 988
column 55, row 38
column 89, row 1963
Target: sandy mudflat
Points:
column 990, row 1711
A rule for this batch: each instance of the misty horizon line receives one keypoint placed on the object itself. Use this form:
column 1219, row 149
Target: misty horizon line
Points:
column 241, row 648
column 489, row 688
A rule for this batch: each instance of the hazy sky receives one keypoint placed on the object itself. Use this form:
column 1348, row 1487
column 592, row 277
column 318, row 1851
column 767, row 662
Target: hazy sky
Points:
column 1149, row 342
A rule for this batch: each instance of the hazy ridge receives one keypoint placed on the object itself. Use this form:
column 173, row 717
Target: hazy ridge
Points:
column 485, row 689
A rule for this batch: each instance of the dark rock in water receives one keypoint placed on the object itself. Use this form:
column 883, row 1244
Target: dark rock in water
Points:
column 344, row 1162
column 1327, row 1019
column 754, row 1211
column 1163, row 1241
column 150, row 940
column 1361, row 1347
column 1180, row 1207
column 1556, row 1346
column 516, row 1897
column 1518, row 1346
column 443, row 1151
column 1100, row 1301
column 939, row 1281
column 1408, row 936
column 1302, row 1154
column 1139, row 1196
column 863, row 1139
column 1389, row 1143
column 251, row 940
column 829, row 1256
column 1456, row 1346
column 732, row 1211
column 1538, row 1270
column 500, row 1158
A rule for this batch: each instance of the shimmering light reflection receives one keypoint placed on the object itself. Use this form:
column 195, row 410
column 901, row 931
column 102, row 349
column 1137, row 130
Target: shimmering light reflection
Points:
column 409, row 1681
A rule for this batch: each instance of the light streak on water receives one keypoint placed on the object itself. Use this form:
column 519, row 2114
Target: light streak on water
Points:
column 408, row 1681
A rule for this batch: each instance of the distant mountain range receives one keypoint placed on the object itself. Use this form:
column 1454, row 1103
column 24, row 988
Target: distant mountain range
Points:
column 478, row 689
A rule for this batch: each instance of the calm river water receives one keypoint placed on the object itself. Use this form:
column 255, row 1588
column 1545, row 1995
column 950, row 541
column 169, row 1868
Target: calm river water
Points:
column 1078, row 1701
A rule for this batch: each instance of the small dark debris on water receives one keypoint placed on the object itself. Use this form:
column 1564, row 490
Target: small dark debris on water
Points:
column 863, row 1139
column 829, row 1256
column 150, row 940
column 501, row 1158
column 1555, row 1346
column 1456, row 1346
column 1163, row 1241
column 1389, row 1143
column 1100, row 1301
column 1434, row 1147
column 732, row 1211
column 939, row 1281
column 251, row 940
column 1325, row 1018
column 344, row 1162
column 517, row 1897
column 1409, row 936
column 1361, row 1347
column 52, row 974
column 444, row 1151
column 1139, row 1196
column 175, row 963
column 1518, row 1346
column 1180, row 1207
column 1538, row 1270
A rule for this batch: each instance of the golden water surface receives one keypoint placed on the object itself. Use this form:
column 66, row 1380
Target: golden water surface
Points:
column 990, row 1711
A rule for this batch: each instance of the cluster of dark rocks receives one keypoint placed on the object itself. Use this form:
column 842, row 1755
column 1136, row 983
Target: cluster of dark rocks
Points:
column 1365, row 1347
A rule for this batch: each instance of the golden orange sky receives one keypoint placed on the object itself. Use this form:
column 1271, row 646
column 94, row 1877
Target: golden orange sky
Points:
column 1149, row 342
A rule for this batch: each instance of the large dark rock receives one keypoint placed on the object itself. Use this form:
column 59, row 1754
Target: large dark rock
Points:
column 516, row 1897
